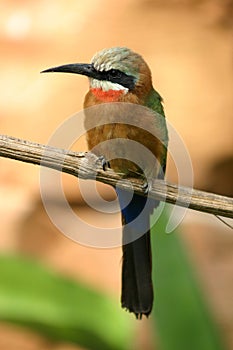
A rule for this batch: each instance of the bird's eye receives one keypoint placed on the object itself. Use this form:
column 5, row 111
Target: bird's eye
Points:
column 114, row 73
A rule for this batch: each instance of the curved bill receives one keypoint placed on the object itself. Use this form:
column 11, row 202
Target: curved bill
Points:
column 75, row 68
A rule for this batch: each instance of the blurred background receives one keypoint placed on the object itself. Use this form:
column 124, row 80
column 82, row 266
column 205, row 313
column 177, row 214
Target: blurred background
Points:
column 188, row 46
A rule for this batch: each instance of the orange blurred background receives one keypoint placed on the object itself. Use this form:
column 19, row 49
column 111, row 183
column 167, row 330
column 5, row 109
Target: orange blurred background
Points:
column 188, row 46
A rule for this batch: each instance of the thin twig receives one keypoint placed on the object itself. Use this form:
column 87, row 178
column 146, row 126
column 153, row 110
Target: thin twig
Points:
column 85, row 165
column 224, row 222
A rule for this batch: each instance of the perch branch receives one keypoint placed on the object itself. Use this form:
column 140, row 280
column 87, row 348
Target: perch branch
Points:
column 85, row 165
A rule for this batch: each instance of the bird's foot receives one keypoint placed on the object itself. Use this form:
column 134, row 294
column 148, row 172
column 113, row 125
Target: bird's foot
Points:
column 147, row 186
column 104, row 163
column 90, row 164
column 97, row 161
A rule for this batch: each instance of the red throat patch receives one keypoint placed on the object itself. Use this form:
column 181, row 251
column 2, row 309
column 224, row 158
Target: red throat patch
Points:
column 107, row 96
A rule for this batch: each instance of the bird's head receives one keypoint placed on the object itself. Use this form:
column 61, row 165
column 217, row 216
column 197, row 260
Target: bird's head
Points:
column 114, row 69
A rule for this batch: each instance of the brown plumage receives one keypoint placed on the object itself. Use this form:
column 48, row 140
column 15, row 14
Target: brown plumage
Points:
column 125, row 123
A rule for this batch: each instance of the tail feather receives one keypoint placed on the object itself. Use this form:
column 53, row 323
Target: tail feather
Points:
column 137, row 288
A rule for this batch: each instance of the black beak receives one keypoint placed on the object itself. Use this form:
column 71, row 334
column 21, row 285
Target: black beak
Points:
column 76, row 68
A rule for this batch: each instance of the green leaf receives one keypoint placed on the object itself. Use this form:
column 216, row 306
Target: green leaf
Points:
column 183, row 319
column 60, row 308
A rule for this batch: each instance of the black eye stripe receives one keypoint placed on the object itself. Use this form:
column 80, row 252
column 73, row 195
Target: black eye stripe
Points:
column 114, row 73
column 117, row 77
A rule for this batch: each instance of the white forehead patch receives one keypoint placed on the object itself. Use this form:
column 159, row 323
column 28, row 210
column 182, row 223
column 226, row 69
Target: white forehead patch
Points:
column 112, row 58
column 107, row 85
column 103, row 66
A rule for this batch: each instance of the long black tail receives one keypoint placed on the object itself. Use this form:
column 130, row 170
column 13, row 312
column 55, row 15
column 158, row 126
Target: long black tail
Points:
column 137, row 288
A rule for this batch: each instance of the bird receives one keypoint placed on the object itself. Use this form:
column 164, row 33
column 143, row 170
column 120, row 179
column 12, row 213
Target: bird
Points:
column 120, row 85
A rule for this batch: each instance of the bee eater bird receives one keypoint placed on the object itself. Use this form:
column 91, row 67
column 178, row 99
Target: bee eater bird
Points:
column 117, row 76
